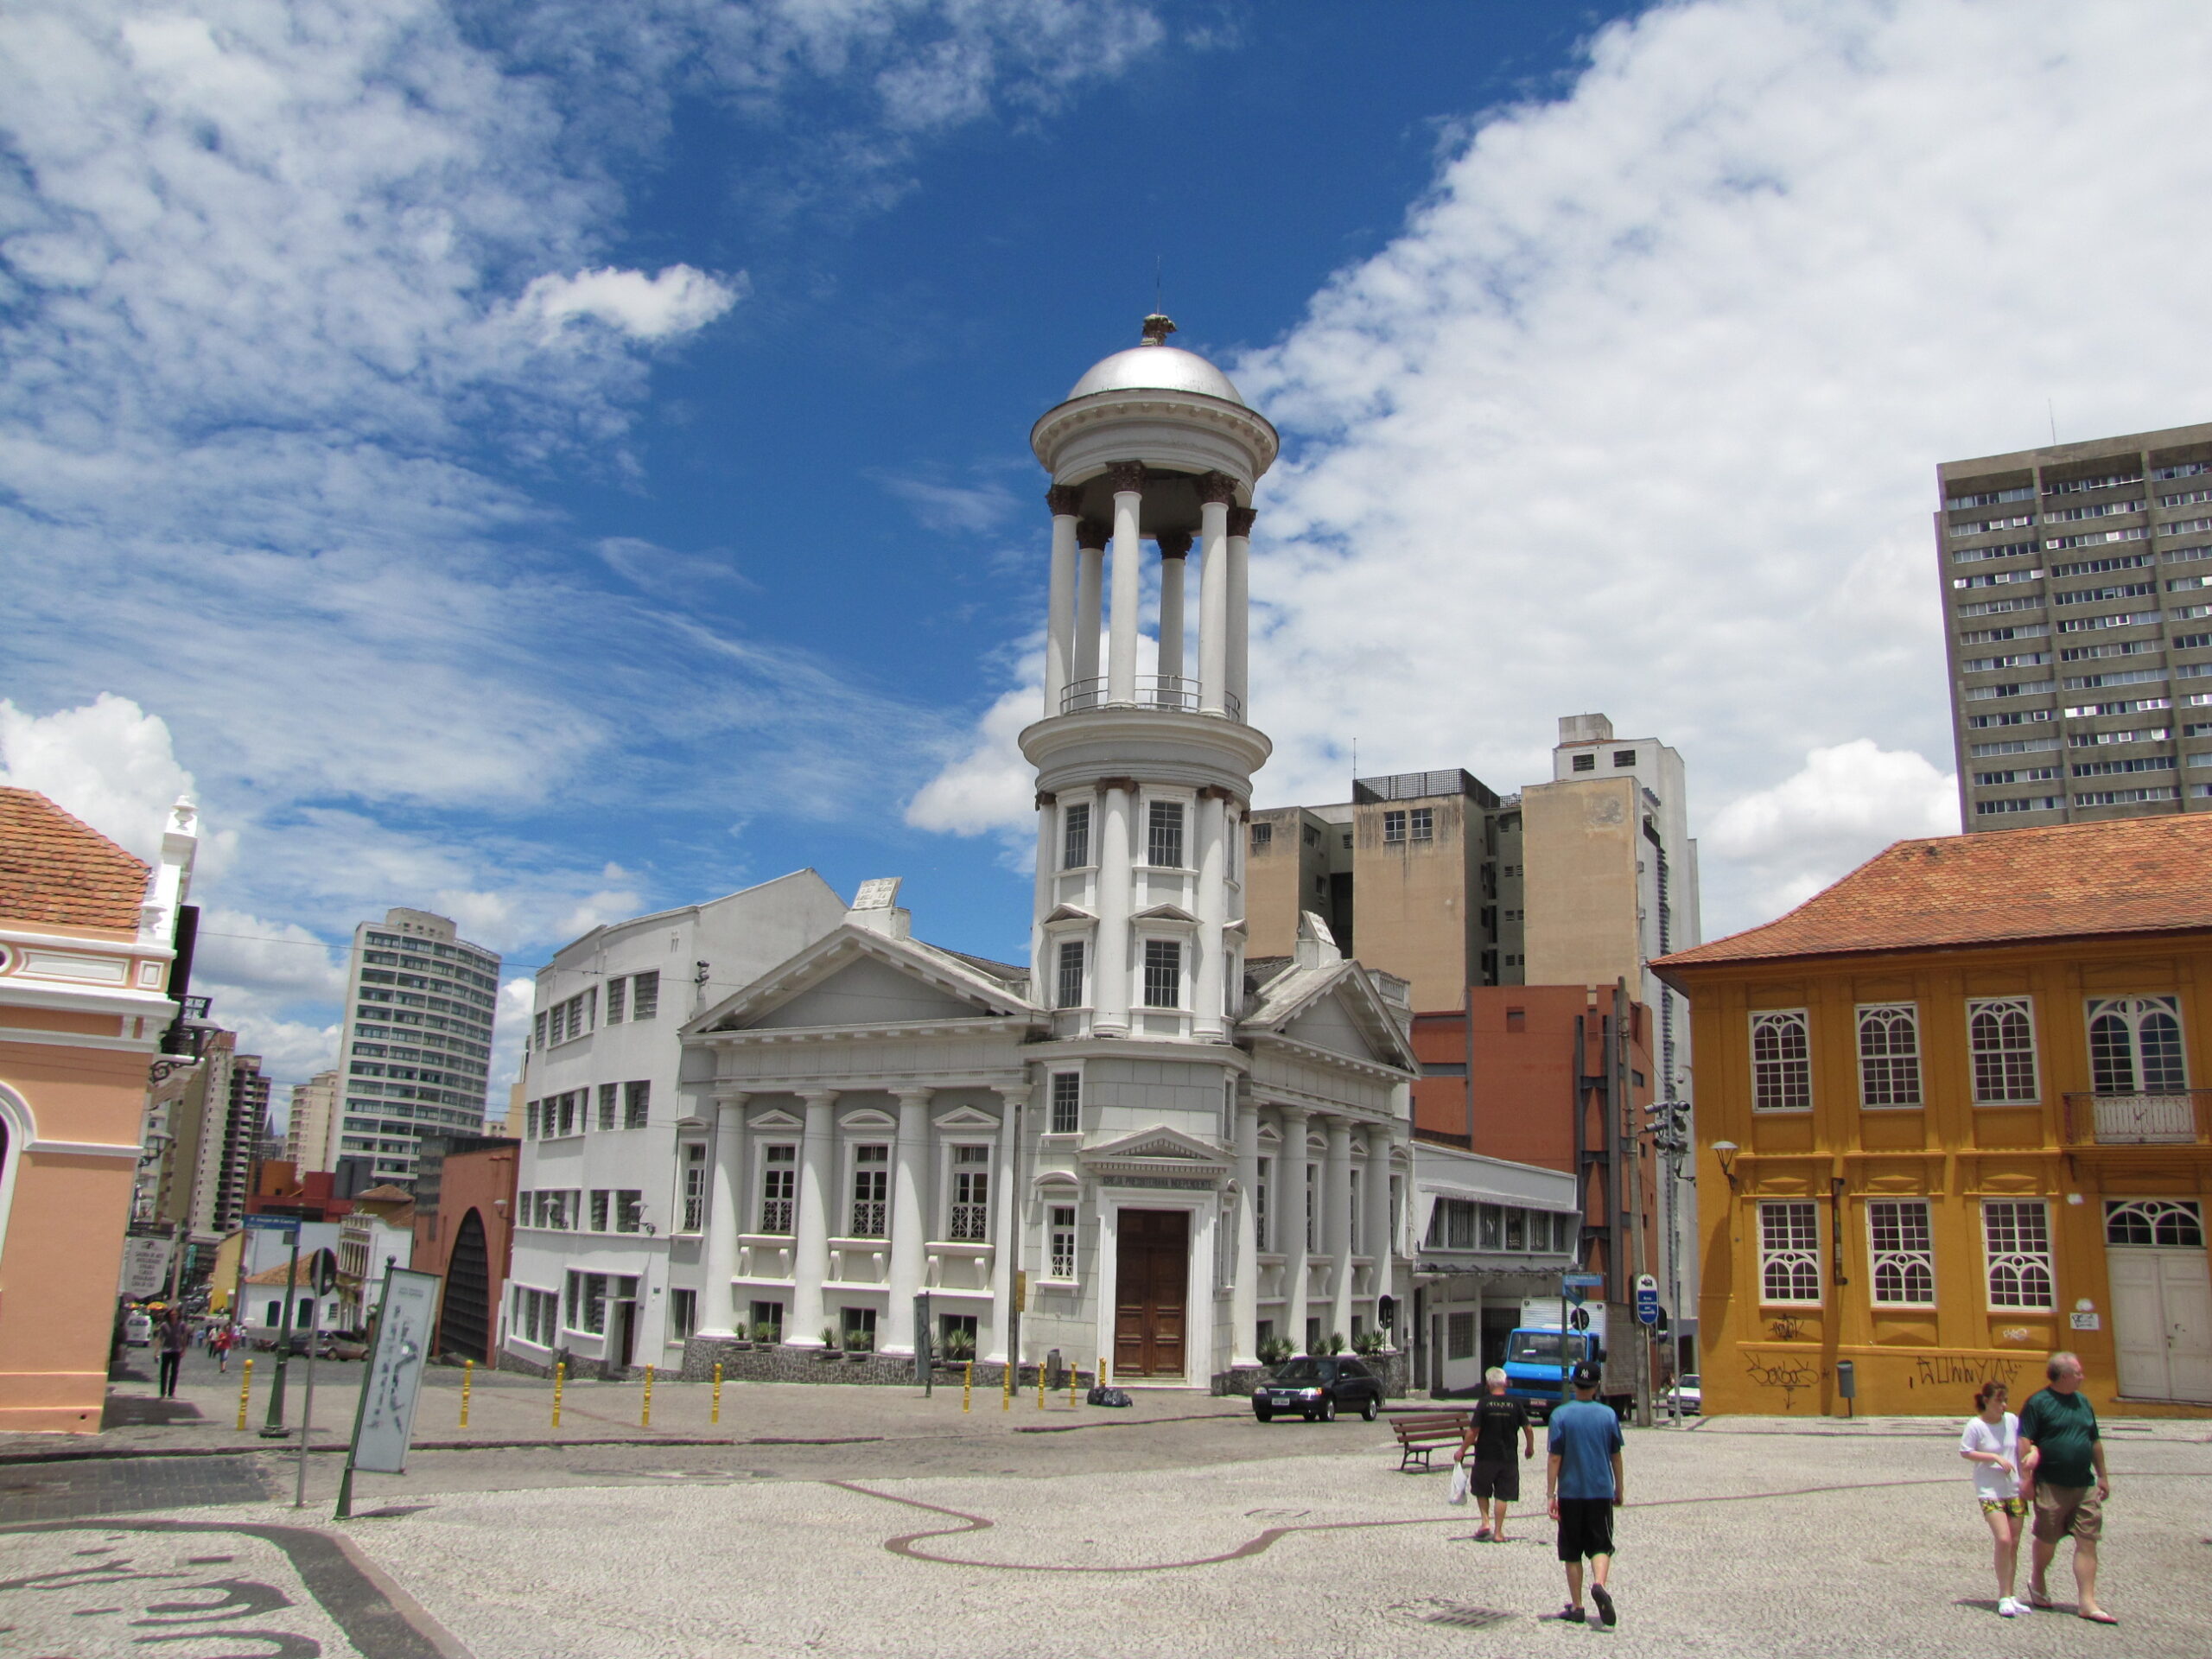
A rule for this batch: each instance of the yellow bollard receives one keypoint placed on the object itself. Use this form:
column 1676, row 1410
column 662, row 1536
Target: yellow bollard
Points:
column 1103, row 1376
column 1041, row 1385
column 560, row 1378
column 646, row 1416
column 1071, row 1376
column 1005, row 1386
column 967, row 1382
column 245, row 1386
column 715, row 1416
column 467, row 1376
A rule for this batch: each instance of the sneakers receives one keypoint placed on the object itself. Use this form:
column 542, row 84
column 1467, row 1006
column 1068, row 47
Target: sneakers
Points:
column 1572, row 1614
column 2008, row 1608
column 1606, row 1615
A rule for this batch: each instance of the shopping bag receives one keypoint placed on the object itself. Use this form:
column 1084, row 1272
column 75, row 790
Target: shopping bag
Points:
column 1458, row 1493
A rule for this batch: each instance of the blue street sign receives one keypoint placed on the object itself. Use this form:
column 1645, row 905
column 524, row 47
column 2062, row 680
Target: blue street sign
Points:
column 272, row 1224
column 1583, row 1280
column 1647, row 1299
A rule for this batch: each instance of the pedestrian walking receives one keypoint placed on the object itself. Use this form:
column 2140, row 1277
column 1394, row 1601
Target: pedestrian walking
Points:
column 2064, row 1479
column 219, row 1340
column 1583, row 1483
column 1991, row 1444
column 176, row 1336
column 1495, row 1479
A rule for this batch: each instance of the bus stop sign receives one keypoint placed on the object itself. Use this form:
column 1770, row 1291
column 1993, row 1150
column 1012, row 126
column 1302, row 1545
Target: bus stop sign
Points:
column 1647, row 1299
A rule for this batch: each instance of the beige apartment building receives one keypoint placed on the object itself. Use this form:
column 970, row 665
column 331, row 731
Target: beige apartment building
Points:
column 2077, row 604
column 310, row 1127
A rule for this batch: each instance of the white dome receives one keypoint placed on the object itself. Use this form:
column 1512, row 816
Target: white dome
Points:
column 1158, row 368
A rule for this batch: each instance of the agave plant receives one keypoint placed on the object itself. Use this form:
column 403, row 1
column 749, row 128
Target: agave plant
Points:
column 1367, row 1343
column 1335, row 1343
column 767, row 1334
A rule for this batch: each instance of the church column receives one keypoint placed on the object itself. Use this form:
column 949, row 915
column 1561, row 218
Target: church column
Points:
column 1060, row 607
column 1290, row 1177
column 909, row 1217
column 1127, row 479
column 1005, row 1221
column 1335, row 1223
column 1207, row 992
column 1239, row 605
column 1089, row 606
column 1217, row 494
column 1041, row 896
column 1109, row 971
column 1244, row 1288
column 1174, row 560
column 725, row 1216
column 1375, row 1216
column 810, row 1246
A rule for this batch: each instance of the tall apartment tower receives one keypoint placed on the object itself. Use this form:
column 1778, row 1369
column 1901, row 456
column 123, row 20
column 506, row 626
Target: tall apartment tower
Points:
column 417, row 1043
column 2077, row 605
column 311, row 1125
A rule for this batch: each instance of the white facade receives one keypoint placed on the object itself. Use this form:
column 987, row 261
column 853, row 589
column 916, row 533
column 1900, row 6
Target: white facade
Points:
column 616, row 1135
column 1178, row 1153
column 1490, row 1233
column 417, row 1043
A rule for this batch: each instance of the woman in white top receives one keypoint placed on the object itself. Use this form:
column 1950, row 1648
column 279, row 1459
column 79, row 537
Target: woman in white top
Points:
column 1991, row 1444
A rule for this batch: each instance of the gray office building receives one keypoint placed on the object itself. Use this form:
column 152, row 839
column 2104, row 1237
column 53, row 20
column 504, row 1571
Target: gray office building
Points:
column 2077, row 595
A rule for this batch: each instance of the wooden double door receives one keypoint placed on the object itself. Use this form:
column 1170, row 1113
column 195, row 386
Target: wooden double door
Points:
column 1152, row 1289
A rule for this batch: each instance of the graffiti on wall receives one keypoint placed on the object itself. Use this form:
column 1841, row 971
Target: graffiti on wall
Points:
column 1961, row 1370
column 1789, row 1375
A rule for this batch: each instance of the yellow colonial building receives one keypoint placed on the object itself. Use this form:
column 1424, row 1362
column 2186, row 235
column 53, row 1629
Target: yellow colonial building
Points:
column 1950, row 1117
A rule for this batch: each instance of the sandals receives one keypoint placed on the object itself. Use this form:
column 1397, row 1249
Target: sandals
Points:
column 2100, row 1616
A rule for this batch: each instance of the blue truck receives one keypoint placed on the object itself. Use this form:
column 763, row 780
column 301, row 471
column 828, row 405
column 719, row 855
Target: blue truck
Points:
column 1540, row 1348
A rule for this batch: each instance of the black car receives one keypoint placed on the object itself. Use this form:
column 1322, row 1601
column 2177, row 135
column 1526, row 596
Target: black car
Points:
column 1315, row 1389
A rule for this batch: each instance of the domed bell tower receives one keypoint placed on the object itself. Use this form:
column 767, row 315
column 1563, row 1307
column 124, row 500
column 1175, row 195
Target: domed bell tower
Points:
column 1144, row 766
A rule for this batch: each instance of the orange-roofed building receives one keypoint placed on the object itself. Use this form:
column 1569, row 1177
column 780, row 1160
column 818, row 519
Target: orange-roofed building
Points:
column 1952, row 1117
column 86, row 943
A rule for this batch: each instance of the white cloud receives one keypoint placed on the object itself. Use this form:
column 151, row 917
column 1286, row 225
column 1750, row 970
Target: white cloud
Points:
column 109, row 763
column 990, row 786
column 953, row 508
column 1641, row 411
column 1845, row 805
column 679, row 300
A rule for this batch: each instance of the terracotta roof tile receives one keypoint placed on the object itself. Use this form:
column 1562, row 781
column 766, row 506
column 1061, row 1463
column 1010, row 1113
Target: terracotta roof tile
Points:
column 2125, row 875
column 58, row 871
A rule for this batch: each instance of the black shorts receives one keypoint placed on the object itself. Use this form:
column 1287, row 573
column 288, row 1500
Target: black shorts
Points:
column 1495, row 1480
column 1585, row 1528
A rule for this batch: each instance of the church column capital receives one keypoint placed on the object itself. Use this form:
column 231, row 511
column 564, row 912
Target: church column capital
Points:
column 1127, row 477
column 1173, row 543
column 1216, row 489
column 1064, row 500
column 1093, row 534
column 1241, row 520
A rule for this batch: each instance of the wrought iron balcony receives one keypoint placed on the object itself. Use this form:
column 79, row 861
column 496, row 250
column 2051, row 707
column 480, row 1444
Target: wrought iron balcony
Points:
column 1174, row 692
column 2175, row 1118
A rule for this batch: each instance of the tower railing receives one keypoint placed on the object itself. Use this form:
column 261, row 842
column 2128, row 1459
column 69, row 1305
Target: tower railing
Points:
column 1174, row 693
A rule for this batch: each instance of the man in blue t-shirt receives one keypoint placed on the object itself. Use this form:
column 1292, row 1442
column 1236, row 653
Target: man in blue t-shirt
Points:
column 1583, row 1483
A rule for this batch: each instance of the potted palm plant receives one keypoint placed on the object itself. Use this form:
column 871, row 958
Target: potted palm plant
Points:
column 860, row 1343
column 767, row 1335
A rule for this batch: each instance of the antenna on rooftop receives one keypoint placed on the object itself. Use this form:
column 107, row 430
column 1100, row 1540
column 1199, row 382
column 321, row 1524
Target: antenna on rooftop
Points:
column 1158, row 307
column 2051, row 405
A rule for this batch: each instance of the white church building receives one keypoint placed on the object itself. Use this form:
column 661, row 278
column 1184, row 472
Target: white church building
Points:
column 1141, row 1146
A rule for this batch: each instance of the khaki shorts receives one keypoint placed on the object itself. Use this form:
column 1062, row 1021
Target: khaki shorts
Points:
column 2067, row 1512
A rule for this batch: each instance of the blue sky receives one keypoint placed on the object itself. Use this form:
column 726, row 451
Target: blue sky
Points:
column 547, row 462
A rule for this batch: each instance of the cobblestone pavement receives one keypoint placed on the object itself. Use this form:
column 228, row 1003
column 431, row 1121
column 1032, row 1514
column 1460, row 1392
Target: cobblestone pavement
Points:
column 1218, row 1536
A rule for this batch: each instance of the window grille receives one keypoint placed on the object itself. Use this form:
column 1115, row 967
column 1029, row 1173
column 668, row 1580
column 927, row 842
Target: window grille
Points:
column 682, row 1314
column 1902, row 1251
column 1070, row 988
column 1164, row 834
column 971, row 1193
column 615, row 988
column 779, row 1187
column 1790, row 1252
column 608, row 1093
column 1063, row 1242
column 2135, row 1045
column 1889, row 1055
column 1067, row 1103
column 645, row 996
column 2001, row 1039
column 1782, row 1067
column 1262, row 836
column 1459, row 1335
column 629, row 1211
column 1421, row 822
column 599, row 1212
column 1075, row 835
column 1312, row 1209
column 1163, row 974
column 637, row 1103
column 1393, row 825
column 2173, row 1222
column 2017, row 1235
column 871, row 1191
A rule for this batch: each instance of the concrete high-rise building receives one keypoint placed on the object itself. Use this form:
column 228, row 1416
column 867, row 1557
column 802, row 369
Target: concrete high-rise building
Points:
column 311, row 1127
column 417, row 1043
column 2077, row 609
column 207, row 1120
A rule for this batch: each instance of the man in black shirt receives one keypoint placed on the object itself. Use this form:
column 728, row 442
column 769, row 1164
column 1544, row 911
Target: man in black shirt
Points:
column 1497, row 1478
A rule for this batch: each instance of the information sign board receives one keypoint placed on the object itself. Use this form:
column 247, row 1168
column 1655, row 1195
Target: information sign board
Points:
column 145, row 1267
column 272, row 1224
column 395, row 1371
column 1647, row 1299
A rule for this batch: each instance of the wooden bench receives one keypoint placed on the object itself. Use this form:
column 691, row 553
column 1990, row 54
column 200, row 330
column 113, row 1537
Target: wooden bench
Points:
column 1422, row 1434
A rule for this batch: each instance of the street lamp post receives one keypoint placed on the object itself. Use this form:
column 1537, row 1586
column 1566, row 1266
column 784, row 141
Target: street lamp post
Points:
column 1667, row 1123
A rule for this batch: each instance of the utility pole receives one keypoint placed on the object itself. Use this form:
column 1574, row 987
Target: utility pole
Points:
column 1631, row 1147
column 1669, row 1127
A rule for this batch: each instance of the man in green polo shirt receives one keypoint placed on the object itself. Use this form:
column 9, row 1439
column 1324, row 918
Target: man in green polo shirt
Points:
column 2062, row 1457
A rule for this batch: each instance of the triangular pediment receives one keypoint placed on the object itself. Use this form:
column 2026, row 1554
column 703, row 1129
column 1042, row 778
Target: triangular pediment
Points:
column 966, row 1117
column 1334, row 1008
column 1165, row 913
column 1327, row 1023
column 1070, row 913
column 777, row 1118
column 858, row 977
column 1157, row 1145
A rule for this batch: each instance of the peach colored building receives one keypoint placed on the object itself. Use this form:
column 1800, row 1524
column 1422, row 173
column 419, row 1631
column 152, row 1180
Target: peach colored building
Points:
column 86, row 935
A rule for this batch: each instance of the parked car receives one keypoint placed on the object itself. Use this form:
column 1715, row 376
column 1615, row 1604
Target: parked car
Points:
column 1685, row 1398
column 1318, row 1388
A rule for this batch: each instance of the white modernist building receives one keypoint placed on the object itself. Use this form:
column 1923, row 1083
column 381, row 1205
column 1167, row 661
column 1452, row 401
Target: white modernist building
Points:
column 1157, row 1151
column 610, row 1206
